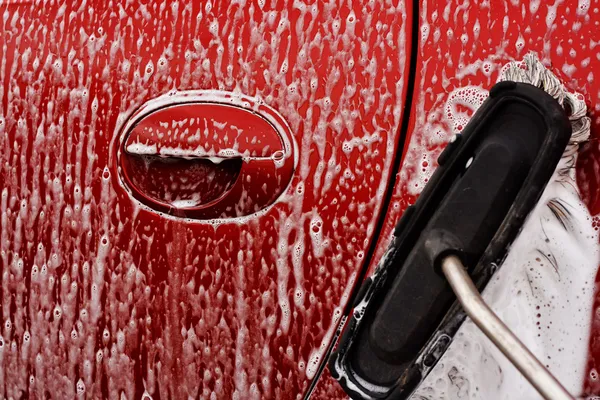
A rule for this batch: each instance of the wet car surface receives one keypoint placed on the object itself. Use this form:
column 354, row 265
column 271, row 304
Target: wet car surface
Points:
column 104, row 295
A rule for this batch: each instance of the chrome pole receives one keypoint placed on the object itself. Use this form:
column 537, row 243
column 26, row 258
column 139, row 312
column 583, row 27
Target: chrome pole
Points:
column 483, row 316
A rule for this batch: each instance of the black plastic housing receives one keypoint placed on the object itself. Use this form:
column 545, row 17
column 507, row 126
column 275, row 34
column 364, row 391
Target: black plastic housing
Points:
column 488, row 180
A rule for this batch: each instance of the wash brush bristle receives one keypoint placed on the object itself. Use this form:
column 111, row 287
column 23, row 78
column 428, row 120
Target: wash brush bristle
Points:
column 532, row 71
column 544, row 289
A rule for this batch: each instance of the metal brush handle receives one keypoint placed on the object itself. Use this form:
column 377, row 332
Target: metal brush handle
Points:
column 483, row 316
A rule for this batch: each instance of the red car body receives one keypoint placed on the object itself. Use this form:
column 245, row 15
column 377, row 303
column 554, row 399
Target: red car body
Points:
column 108, row 291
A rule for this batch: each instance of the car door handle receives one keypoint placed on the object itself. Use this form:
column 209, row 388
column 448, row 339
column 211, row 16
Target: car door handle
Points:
column 206, row 154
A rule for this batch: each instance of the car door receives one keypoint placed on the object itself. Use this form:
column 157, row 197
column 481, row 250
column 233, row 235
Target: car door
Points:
column 110, row 285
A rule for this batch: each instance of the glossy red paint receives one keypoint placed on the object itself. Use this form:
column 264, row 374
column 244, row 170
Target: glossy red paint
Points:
column 128, row 301
column 101, row 297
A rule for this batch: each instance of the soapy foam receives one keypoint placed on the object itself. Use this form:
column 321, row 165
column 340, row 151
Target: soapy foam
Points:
column 544, row 289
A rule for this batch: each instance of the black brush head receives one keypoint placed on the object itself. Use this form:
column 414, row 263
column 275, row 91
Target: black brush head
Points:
column 488, row 180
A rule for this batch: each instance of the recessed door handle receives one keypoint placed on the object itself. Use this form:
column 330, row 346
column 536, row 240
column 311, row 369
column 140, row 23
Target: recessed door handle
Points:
column 206, row 154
